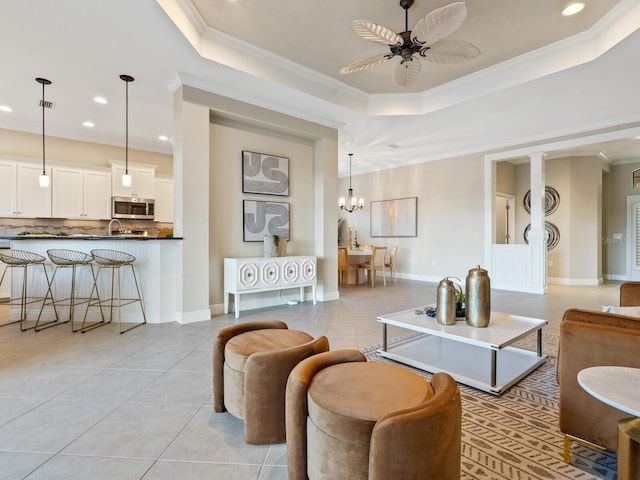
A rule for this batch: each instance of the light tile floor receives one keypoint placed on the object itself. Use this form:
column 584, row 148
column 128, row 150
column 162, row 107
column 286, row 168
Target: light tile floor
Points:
column 138, row 406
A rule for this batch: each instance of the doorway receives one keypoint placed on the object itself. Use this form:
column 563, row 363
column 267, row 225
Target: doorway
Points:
column 633, row 237
column 504, row 221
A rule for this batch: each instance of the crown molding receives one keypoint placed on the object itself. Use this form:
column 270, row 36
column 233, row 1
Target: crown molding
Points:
column 264, row 101
column 611, row 29
column 224, row 49
column 219, row 47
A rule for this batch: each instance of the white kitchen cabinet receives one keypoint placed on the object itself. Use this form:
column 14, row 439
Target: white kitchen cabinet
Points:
column 20, row 192
column 81, row 193
column 164, row 200
column 8, row 189
column 34, row 201
column 97, row 195
column 142, row 181
column 258, row 274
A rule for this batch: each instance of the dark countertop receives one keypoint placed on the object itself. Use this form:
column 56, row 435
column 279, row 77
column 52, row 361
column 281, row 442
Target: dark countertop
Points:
column 83, row 237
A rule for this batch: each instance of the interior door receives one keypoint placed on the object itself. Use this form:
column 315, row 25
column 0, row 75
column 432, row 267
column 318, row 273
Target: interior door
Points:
column 633, row 236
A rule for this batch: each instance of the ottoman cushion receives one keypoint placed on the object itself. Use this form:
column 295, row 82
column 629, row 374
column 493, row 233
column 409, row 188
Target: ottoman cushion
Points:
column 344, row 403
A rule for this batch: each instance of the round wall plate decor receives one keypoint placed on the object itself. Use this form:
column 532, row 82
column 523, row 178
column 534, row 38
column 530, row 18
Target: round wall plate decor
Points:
column 553, row 235
column 551, row 200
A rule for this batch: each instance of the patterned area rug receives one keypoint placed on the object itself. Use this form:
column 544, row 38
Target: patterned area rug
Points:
column 516, row 435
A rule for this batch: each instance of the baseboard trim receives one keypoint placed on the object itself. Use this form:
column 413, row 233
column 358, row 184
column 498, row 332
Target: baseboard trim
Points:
column 193, row 317
column 575, row 281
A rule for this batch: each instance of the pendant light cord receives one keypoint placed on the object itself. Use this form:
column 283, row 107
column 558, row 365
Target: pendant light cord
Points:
column 44, row 170
column 43, row 82
column 126, row 127
column 126, row 79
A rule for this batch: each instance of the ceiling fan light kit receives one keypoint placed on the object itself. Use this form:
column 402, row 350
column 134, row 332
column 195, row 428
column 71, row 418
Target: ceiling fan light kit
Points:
column 426, row 40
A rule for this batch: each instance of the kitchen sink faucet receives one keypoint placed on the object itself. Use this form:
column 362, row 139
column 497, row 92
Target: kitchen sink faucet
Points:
column 111, row 225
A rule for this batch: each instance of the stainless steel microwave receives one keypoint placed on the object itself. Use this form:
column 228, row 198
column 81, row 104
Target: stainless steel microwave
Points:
column 132, row 207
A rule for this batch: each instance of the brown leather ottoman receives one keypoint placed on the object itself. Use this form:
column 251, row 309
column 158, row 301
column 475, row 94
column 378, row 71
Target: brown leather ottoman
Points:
column 345, row 403
column 254, row 366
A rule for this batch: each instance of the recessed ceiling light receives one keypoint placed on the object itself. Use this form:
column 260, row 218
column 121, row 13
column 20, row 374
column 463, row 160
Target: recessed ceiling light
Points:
column 100, row 100
column 6, row 108
column 163, row 138
column 89, row 124
column 573, row 8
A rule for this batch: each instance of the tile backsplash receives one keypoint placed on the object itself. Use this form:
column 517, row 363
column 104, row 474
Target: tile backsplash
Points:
column 10, row 226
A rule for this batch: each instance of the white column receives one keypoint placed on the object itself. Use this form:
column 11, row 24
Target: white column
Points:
column 537, row 233
column 191, row 207
column 326, row 214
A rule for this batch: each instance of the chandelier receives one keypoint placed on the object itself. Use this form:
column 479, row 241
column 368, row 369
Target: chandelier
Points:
column 352, row 203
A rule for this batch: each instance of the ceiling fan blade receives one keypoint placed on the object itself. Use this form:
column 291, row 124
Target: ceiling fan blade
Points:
column 440, row 23
column 406, row 72
column 365, row 64
column 376, row 33
column 450, row 51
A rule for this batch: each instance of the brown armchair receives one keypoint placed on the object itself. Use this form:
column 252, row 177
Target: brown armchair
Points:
column 587, row 339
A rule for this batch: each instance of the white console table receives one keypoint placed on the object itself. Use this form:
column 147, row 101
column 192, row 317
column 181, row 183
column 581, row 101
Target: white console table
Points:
column 260, row 274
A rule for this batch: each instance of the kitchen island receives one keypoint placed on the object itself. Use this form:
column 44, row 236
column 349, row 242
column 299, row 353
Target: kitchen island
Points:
column 157, row 267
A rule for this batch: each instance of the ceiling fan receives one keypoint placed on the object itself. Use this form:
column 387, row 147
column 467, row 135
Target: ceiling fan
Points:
column 425, row 40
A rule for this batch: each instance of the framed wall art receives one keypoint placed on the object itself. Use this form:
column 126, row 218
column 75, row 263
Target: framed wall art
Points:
column 394, row 218
column 261, row 218
column 265, row 174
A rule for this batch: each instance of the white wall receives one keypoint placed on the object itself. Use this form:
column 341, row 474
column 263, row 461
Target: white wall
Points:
column 233, row 126
column 450, row 215
column 577, row 257
column 620, row 187
column 62, row 150
column 226, row 229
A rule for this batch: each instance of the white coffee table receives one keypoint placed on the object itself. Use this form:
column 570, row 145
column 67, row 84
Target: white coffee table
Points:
column 479, row 357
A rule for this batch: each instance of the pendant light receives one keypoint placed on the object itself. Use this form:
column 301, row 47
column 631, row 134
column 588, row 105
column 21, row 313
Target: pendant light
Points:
column 352, row 203
column 126, row 178
column 43, row 180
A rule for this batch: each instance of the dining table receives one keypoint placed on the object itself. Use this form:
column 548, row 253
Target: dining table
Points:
column 357, row 256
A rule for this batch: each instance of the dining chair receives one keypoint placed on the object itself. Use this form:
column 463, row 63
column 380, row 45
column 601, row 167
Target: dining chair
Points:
column 390, row 263
column 374, row 264
column 345, row 266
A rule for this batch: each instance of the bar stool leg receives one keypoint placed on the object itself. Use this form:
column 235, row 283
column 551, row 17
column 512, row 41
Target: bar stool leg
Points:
column 4, row 273
column 85, row 328
column 49, row 293
column 144, row 315
column 25, row 301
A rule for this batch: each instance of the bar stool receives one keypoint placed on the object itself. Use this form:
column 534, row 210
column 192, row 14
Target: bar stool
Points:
column 23, row 259
column 64, row 258
column 114, row 260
